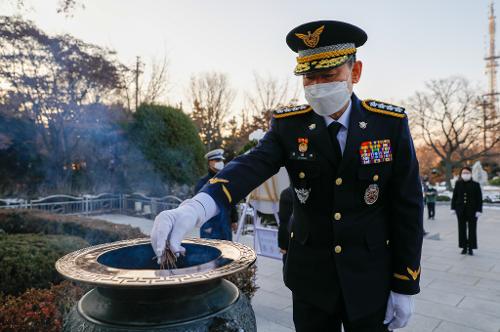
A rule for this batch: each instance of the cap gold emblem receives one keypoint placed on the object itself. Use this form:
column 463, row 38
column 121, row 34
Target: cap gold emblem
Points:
column 311, row 39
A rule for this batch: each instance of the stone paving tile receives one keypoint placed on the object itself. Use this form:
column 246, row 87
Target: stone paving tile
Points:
column 419, row 323
column 452, row 327
column 264, row 325
column 488, row 283
column 281, row 317
column 466, row 317
column 466, row 279
column 473, row 304
column 473, row 272
column 466, row 290
column 430, row 264
column 439, row 296
column 273, row 300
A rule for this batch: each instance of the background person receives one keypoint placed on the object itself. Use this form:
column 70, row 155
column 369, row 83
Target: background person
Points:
column 430, row 200
column 221, row 226
column 467, row 204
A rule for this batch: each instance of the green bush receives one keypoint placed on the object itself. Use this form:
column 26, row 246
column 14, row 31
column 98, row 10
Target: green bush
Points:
column 495, row 181
column 27, row 260
column 169, row 140
column 443, row 198
column 93, row 231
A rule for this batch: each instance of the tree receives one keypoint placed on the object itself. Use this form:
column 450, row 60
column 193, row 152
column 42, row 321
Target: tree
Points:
column 158, row 82
column 152, row 89
column 211, row 97
column 64, row 6
column 52, row 81
column 168, row 139
column 20, row 161
column 268, row 95
column 447, row 119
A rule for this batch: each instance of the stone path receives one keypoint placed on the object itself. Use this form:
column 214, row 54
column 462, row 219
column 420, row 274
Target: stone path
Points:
column 458, row 293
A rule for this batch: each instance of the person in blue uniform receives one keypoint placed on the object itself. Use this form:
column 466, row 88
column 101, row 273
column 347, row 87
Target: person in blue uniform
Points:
column 467, row 204
column 353, row 258
column 220, row 226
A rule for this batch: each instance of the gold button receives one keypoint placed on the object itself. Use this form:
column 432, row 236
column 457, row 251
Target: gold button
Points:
column 302, row 175
column 337, row 216
column 338, row 182
column 338, row 249
column 375, row 177
column 291, row 235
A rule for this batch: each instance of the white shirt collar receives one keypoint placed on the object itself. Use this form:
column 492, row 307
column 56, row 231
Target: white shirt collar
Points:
column 344, row 118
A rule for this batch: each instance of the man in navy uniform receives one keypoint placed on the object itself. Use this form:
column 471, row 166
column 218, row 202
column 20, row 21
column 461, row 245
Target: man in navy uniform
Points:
column 220, row 226
column 356, row 238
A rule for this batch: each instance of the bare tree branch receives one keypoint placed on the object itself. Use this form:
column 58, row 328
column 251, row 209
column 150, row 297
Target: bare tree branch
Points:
column 447, row 121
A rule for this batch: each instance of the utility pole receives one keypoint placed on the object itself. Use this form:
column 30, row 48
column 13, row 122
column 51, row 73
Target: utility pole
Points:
column 492, row 64
column 490, row 103
column 137, row 73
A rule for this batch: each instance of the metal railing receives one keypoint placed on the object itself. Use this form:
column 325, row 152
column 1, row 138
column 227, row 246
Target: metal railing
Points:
column 131, row 204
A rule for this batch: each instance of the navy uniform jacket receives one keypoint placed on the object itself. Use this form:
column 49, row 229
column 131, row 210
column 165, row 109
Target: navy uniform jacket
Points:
column 339, row 243
column 219, row 226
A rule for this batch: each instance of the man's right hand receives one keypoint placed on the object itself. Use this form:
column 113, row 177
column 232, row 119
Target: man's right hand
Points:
column 172, row 225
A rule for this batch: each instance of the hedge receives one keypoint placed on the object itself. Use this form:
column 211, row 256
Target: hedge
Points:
column 27, row 260
column 14, row 221
column 443, row 198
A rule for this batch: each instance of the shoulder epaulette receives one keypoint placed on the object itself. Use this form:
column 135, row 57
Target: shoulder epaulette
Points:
column 383, row 108
column 291, row 110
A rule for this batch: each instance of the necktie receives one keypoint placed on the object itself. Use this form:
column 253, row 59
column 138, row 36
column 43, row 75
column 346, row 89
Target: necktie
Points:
column 333, row 130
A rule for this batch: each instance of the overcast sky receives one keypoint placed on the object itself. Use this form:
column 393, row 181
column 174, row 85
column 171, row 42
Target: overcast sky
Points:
column 409, row 42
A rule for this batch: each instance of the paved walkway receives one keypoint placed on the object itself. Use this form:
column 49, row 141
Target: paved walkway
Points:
column 458, row 293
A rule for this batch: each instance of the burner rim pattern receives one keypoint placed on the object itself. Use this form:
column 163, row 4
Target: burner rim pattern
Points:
column 82, row 266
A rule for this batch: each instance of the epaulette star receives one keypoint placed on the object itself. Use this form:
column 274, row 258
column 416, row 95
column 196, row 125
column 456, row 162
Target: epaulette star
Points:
column 291, row 110
column 383, row 108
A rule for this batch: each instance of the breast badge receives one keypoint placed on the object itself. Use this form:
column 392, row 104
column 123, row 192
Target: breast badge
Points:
column 302, row 194
column 371, row 194
column 303, row 144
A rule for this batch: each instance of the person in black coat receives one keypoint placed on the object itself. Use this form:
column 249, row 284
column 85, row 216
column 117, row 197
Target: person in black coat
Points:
column 467, row 204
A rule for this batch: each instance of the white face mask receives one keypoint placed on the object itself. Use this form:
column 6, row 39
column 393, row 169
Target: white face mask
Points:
column 466, row 176
column 327, row 98
column 219, row 165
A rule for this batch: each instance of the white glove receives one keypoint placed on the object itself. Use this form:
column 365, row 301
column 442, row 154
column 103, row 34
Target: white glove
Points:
column 399, row 310
column 453, row 212
column 478, row 214
column 174, row 224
